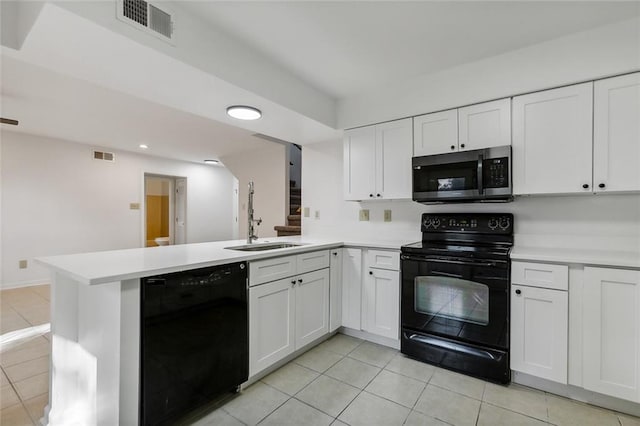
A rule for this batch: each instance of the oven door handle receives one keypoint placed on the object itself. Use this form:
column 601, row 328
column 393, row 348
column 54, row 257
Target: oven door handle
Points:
column 496, row 263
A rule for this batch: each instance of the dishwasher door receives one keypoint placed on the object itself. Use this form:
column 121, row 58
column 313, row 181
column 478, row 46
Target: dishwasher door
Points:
column 194, row 339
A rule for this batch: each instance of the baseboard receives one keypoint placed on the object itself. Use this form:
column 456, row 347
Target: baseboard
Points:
column 20, row 284
column 576, row 393
column 385, row 341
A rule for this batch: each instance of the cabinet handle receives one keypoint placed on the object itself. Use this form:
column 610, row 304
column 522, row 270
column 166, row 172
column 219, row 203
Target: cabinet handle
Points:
column 453, row 147
column 370, row 272
column 461, row 145
column 602, row 185
column 518, row 291
column 585, row 186
column 300, row 280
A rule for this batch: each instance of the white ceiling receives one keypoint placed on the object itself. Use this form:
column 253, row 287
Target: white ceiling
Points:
column 51, row 104
column 347, row 47
column 86, row 94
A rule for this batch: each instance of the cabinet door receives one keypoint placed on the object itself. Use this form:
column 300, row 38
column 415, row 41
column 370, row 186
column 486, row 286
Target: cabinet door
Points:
column 312, row 306
column 351, row 287
column 335, row 290
column 435, row 133
column 539, row 332
column 359, row 163
column 485, row 125
column 394, row 147
column 381, row 303
column 616, row 134
column 611, row 339
column 552, row 141
column 271, row 315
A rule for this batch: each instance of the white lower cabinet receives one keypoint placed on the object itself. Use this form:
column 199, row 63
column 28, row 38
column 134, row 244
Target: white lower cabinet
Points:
column 539, row 332
column 611, row 337
column 351, row 287
column 381, row 303
column 311, row 306
column 335, row 289
column 271, row 323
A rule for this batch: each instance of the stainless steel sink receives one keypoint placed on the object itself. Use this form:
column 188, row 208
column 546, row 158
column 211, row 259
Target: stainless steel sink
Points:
column 262, row 247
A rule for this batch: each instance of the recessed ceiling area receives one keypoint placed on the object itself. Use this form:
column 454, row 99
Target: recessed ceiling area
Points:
column 346, row 47
column 53, row 105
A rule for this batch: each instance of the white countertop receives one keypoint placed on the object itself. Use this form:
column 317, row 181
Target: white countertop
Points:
column 624, row 259
column 117, row 265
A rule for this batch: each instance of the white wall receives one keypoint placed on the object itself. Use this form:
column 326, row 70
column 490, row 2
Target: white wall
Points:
column 602, row 221
column 267, row 168
column 604, row 51
column 56, row 200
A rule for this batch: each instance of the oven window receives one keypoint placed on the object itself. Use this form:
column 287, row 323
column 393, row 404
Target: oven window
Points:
column 446, row 177
column 452, row 298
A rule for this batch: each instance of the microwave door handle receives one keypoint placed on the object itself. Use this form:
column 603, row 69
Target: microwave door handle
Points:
column 479, row 171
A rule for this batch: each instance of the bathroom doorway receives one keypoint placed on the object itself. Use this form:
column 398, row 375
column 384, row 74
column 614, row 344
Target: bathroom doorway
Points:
column 165, row 210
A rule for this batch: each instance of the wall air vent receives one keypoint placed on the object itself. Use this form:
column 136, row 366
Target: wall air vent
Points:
column 147, row 17
column 105, row 156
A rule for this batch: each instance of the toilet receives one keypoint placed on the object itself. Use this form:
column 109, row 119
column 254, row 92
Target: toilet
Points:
column 162, row 241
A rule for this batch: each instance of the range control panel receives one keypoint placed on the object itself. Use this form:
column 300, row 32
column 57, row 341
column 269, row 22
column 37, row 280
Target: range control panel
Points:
column 481, row 223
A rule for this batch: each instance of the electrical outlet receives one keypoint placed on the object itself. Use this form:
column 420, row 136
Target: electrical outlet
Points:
column 134, row 206
column 306, row 212
column 364, row 215
column 387, row 215
column 22, row 264
column 317, row 214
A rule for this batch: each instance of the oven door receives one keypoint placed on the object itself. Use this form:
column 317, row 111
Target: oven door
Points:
column 463, row 300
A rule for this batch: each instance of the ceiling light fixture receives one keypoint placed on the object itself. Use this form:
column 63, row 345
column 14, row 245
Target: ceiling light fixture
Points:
column 211, row 161
column 143, row 146
column 243, row 112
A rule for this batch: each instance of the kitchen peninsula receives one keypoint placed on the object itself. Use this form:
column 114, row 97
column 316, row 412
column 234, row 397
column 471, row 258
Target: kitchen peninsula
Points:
column 95, row 320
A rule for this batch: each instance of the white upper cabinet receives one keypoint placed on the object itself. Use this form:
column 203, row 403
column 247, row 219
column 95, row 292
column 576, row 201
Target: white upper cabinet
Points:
column 552, row 141
column 484, row 125
column 474, row 127
column 377, row 161
column 359, row 163
column 616, row 134
column 435, row 133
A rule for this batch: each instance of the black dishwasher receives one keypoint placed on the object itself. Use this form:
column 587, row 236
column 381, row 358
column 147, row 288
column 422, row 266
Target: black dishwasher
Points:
column 194, row 341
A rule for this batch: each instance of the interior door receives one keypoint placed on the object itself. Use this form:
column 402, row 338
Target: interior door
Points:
column 180, row 228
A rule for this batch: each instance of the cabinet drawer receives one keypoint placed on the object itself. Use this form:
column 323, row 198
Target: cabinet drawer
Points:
column 262, row 271
column 541, row 275
column 383, row 259
column 313, row 261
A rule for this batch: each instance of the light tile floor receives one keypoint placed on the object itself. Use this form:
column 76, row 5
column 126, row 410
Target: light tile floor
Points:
column 343, row 381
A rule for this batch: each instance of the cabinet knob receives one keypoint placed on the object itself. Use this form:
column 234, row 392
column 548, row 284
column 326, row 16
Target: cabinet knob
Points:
column 370, row 195
column 293, row 282
column 602, row 185
column 518, row 291
column 335, row 253
column 370, row 272
column 453, row 147
column 300, row 280
column 378, row 195
column 461, row 145
column 585, row 186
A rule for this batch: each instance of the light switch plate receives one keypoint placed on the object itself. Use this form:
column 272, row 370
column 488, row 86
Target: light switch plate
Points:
column 317, row 214
column 364, row 215
column 22, row 264
column 134, row 206
column 387, row 215
column 306, row 212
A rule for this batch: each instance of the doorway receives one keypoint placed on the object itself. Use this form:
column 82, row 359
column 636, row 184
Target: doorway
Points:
column 165, row 210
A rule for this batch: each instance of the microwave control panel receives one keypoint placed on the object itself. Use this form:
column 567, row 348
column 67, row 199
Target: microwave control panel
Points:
column 495, row 173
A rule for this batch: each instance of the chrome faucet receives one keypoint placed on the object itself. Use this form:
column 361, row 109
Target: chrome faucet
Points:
column 250, row 220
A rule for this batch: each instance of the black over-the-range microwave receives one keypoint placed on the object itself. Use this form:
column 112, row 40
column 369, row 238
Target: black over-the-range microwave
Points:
column 477, row 175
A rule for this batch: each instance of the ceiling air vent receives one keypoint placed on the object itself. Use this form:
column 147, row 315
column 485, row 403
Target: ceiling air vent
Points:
column 106, row 156
column 147, row 17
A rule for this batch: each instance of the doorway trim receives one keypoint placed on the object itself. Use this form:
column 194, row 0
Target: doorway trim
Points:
column 172, row 205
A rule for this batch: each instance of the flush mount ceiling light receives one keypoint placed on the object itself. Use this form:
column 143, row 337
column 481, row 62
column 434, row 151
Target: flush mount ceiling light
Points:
column 211, row 161
column 143, row 146
column 243, row 112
